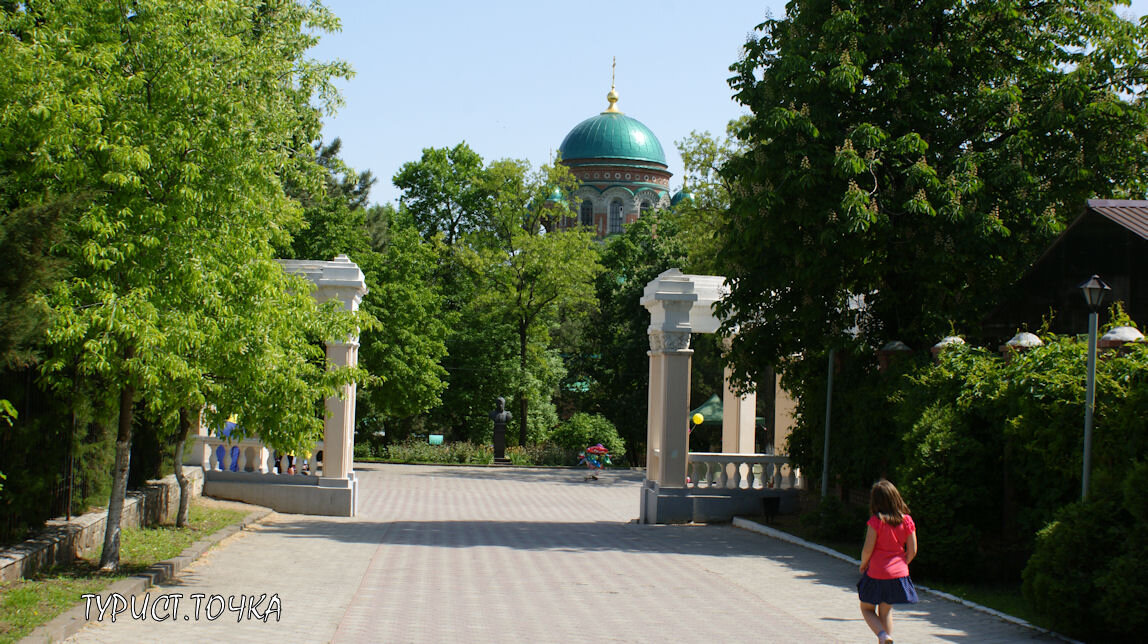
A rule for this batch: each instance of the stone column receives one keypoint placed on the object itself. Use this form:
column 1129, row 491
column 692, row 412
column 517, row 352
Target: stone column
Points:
column 339, row 427
column 668, row 429
column 737, row 419
column 198, row 454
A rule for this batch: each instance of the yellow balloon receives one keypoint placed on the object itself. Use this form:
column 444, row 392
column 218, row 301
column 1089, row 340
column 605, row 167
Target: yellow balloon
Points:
column 698, row 418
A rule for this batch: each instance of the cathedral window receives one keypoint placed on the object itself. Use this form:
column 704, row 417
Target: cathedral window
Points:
column 586, row 217
column 615, row 217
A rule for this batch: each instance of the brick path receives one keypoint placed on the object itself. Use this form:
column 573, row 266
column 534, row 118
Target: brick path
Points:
column 454, row 554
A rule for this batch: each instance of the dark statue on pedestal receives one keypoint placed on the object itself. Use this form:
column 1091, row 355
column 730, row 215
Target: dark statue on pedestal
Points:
column 500, row 417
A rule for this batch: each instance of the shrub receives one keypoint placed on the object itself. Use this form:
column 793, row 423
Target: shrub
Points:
column 1087, row 571
column 584, row 430
column 833, row 519
column 545, row 454
column 419, row 451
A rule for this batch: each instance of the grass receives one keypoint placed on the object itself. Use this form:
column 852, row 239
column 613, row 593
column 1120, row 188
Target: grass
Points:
column 29, row 603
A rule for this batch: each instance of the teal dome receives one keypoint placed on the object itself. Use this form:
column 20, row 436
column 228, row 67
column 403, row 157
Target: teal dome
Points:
column 612, row 135
column 682, row 195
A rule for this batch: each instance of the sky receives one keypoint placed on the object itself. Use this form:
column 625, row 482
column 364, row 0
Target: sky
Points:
column 511, row 78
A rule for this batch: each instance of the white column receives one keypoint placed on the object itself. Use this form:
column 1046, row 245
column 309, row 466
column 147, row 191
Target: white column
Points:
column 339, row 427
column 341, row 280
column 737, row 420
column 198, row 455
column 670, row 362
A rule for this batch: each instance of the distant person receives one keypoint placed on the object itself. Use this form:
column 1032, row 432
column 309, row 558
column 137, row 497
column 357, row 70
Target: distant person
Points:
column 890, row 544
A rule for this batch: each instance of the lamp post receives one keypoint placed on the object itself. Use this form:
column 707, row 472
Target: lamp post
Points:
column 1093, row 289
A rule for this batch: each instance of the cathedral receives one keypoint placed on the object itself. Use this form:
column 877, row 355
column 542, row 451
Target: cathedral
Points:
column 621, row 167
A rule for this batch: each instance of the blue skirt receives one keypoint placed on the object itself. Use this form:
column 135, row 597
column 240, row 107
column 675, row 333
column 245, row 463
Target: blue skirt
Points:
column 886, row 591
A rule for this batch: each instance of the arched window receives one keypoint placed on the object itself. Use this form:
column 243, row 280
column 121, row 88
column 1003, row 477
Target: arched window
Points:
column 615, row 217
column 645, row 208
column 587, row 215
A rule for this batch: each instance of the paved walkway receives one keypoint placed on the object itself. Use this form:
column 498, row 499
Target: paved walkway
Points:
column 461, row 554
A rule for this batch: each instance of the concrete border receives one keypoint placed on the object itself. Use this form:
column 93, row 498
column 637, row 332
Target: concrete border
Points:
column 60, row 541
column 70, row 622
column 753, row 526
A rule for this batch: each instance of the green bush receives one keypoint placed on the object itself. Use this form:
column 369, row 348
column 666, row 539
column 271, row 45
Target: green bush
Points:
column 1060, row 580
column 834, row 520
column 1087, row 572
column 419, row 451
column 545, row 454
column 585, row 430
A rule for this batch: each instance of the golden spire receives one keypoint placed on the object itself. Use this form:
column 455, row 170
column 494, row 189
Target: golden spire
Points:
column 612, row 97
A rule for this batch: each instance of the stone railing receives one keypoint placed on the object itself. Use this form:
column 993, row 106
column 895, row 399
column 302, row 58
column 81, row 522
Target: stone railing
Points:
column 718, row 471
column 252, row 456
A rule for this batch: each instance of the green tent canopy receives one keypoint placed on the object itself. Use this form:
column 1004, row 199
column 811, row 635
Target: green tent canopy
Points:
column 710, row 411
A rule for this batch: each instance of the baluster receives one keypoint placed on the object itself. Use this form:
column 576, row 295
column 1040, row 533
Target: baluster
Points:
column 749, row 477
column 722, row 477
column 212, row 458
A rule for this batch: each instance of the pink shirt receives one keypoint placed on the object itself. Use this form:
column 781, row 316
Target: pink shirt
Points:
column 888, row 558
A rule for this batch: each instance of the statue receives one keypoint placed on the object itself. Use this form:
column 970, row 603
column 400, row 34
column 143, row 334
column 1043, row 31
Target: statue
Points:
column 500, row 417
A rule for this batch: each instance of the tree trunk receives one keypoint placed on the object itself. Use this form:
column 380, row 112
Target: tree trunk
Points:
column 110, row 556
column 180, row 441
column 522, row 406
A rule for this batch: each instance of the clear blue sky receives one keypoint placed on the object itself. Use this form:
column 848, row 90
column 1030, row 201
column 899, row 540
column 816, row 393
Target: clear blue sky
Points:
column 511, row 78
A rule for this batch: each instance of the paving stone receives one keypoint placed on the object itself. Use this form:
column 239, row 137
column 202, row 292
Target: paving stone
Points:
column 466, row 554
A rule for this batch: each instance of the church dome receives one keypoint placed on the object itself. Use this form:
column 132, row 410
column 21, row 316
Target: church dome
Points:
column 682, row 195
column 612, row 135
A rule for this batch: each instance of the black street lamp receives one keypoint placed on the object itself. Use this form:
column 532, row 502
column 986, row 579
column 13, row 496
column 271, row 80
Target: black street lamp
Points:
column 1094, row 290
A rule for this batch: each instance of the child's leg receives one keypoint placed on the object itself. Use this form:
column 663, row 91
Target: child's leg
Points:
column 869, row 612
column 885, row 612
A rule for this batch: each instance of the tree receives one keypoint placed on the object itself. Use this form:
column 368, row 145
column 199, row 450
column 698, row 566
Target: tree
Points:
column 404, row 348
column 918, row 155
column 181, row 120
column 700, row 217
column 443, row 192
column 534, row 271
column 614, row 357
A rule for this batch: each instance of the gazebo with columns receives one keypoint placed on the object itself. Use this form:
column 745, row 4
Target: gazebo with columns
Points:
column 684, row 486
column 330, row 488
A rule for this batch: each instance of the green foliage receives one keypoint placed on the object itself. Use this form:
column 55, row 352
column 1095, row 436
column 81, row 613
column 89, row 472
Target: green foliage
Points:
column 861, row 450
column 1072, row 555
column 834, row 520
column 534, row 272
column 699, row 219
column 445, row 192
column 457, row 452
column 586, row 430
column 170, row 291
column 612, row 354
column 36, row 449
column 919, row 155
column 985, row 450
column 541, row 454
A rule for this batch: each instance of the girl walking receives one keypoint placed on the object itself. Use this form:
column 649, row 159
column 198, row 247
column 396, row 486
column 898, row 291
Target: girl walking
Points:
column 890, row 544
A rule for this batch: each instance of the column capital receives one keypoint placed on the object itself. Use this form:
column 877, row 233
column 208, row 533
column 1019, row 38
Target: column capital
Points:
column 669, row 341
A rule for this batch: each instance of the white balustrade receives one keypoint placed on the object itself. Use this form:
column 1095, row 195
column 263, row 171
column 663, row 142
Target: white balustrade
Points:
column 718, row 471
column 252, row 456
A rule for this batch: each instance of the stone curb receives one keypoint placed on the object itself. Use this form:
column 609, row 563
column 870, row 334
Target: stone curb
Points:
column 72, row 620
column 753, row 526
